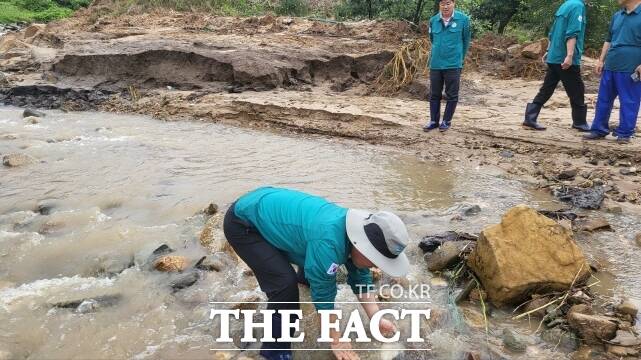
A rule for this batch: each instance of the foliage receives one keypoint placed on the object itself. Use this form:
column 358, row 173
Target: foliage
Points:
column 38, row 10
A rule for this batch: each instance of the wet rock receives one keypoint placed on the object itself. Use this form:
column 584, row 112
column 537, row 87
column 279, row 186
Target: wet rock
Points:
column 593, row 329
column 432, row 242
column 568, row 174
column 32, row 113
column 15, row 160
column 215, row 262
column 447, row 255
column 100, row 301
column 627, row 308
column 87, row 306
column 46, row 207
column 211, row 209
column 622, row 351
column 626, row 338
column 162, row 250
column 559, row 215
column 170, row 263
column 213, row 237
column 536, row 307
column 560, row 339
column 584, row 309
column 472, row 210
column 513, row 342
column 628, row 171
column 611, row 207
column 579, row 297
column 582, row 198
column 525, row 253
column 115, row 264
column 32, row 120
column 183, row 281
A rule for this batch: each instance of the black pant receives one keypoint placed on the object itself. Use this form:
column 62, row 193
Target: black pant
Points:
column 274, row 273
column 572, row 82
column 450, row 79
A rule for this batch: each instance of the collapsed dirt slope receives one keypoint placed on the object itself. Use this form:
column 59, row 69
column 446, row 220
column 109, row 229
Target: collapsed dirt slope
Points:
column 295, row 75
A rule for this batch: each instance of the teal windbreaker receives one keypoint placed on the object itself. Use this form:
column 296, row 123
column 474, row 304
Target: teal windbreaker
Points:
column 311, row 232
column 449, row 44
column 569, row 22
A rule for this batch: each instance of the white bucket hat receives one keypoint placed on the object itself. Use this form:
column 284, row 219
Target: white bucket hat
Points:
column 381, row 238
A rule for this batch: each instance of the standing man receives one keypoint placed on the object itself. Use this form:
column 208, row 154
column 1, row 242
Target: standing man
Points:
column 621, row 58
column 450, row 35
column 563, row 59
column 271, row 228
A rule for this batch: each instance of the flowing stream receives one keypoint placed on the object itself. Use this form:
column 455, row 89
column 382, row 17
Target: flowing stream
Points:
column 106, row 190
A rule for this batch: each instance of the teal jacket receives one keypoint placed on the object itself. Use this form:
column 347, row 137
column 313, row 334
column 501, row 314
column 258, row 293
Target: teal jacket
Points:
column 625, row 41
column 449, row 43
column 311, row 232
column 569, row 22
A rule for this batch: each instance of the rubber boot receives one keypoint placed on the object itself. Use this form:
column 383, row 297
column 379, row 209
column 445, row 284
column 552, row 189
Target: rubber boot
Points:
column 277, row 350
column 579, row 118
column 435, row 116
column 532, row 112
column 448, row 115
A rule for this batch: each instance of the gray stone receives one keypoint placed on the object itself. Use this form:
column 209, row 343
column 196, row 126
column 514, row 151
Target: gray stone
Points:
column 628, row 171
column 447, row 255
column 472, row 210
column 513, row 342
column 568, row 174
column 507, row 154
column 626, row 338
column 215, row 262
column 87, row 306
column 32, row 112
column 183, row 281
column 563, row 340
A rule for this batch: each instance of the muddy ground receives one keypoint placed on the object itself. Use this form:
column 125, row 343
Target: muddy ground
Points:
column 306, row 76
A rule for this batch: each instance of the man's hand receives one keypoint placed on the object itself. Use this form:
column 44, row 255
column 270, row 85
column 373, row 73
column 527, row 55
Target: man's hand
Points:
column 545, row 57
column 599, row 68
column 639, row 70
column 567, row 62
column 343, row 351
column 387, row 328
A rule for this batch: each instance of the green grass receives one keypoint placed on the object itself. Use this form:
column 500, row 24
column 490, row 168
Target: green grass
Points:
column 12, row 11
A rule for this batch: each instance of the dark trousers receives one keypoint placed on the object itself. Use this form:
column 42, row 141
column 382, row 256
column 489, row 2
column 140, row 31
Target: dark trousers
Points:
column 274, row 273
column 572, row 82
column 449, row 79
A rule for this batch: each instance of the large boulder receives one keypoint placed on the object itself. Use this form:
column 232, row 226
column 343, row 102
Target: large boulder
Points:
column 534, row 50
column 526, row 253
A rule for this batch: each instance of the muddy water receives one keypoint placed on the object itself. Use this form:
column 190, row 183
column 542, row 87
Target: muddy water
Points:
column 113, row 188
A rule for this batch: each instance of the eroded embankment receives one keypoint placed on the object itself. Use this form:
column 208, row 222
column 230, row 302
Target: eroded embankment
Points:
column 181, row 65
